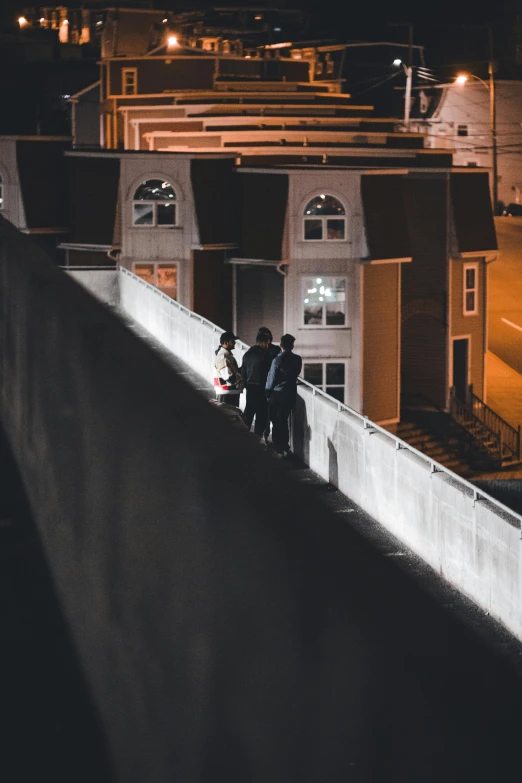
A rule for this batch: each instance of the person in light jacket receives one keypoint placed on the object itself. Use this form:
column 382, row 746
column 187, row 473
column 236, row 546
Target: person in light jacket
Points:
column 227, row 378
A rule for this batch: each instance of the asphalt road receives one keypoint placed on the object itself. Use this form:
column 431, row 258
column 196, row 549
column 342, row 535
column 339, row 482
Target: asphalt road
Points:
column 505, row 294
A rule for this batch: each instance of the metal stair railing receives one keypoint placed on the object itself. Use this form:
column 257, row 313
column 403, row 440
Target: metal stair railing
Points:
column 495, row 433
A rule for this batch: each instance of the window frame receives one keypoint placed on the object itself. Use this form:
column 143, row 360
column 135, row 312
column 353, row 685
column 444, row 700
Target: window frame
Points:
column 466, row 290
column 324, row 385
column 303, row 293
column 155, row 265
column 155, row 224
column 323, row 219
column 124, row 73
column 462, row 130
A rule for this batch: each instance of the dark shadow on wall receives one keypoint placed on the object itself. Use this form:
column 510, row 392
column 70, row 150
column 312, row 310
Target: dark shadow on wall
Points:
column 50, row 729
column 333, row 466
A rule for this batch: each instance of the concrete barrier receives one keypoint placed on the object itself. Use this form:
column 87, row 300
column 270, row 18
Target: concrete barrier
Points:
column 102, row 283
column 469, row 538
column 464, row 535
column 187, row 334
column 185, row 583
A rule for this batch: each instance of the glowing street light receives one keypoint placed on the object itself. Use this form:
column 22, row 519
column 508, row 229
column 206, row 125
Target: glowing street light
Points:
column 172, row 41
column 397, row 62
column 22, row 21
column 460, row 81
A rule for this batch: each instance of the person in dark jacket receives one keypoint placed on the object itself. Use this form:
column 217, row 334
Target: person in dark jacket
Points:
column 281, row 392
column 273, row 350
column 254, row 371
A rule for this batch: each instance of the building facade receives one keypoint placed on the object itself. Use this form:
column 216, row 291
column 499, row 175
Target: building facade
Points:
column 256, row 194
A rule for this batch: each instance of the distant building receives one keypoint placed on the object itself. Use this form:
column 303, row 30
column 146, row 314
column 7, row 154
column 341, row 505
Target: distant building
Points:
column 458, row 118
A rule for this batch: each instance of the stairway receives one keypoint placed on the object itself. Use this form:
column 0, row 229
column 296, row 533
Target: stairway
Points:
column 447, row 452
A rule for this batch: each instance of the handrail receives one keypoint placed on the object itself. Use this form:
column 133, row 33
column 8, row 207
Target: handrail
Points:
column 510, row 435
column 473, row 410
column 368, row 426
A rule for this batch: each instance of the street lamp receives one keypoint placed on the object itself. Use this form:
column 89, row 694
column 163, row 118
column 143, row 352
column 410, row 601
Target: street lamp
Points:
column 461, row 79
column 408, row 70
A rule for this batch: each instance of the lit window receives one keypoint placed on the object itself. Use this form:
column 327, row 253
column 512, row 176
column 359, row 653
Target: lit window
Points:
column 470, row 289
column 154, row 204
column 329, row 376
column 324, row 219
column 1, row 193
column 462, row 130
column 324, row 301
column 129, row 81
column 163, row 276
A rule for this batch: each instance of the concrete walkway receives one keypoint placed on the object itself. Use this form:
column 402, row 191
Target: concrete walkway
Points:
column 442, row 686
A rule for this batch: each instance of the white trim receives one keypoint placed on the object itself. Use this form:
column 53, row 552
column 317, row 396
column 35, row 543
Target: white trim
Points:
column 134, row 84
column 155, row 225
column 475, row 253
column 380, row 261
column 83, row 246
column 324, row 218
column 474, row 290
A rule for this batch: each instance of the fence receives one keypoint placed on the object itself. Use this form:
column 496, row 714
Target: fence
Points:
column 469, row 537
column 497, row 435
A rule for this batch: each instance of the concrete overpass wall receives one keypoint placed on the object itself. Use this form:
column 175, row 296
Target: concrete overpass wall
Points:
column 186, row 334
column 102, row 283
column 207, row 611
column 467, row 538
column 470, row 539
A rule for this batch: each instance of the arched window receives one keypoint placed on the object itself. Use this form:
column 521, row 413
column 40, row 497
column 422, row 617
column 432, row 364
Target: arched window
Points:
column 1, row 192
column 324, row 219
column 154, row 204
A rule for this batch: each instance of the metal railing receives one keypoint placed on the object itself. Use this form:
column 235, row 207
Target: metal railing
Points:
column 369, row 427
column 496, row 434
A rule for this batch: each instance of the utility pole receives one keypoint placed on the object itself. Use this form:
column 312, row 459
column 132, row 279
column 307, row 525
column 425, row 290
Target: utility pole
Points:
column 493, row 119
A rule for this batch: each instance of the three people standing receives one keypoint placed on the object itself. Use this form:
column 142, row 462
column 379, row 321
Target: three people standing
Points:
column 269, row 375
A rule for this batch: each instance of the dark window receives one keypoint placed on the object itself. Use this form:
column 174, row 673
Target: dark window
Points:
column 154, row 204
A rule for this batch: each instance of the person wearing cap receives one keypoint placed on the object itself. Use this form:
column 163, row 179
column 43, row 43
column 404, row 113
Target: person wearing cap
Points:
column 273, row 350
column 281, row 392
column 227, row 378
column 254, row 371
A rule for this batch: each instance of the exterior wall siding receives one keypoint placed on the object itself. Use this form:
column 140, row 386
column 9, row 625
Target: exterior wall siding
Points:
column 326, row 258
column 142, row 244
column 424, row 352
column 472, row 325
column 468, row 107
column 381, row 342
